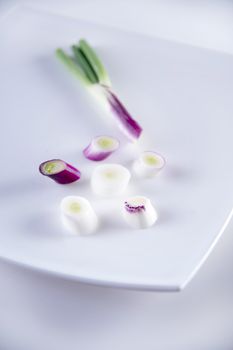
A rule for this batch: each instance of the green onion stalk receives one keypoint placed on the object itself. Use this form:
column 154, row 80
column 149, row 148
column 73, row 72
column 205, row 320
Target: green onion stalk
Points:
column 87, row 67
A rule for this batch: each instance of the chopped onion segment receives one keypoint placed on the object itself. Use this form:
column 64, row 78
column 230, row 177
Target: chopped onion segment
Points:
column 110, row 179
column 59, row 171
column 128, row 125
column 101, row 147
column 139, row 213
column 78, row 215
column 148, row 164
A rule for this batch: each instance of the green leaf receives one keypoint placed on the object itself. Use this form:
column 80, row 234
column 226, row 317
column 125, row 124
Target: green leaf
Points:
column 84, row 64
column 94, row 62
column 72, row 66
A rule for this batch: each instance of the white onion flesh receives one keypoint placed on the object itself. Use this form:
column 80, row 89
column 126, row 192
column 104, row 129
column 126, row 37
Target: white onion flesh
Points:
column 148, row 164
column 101, row 147
column 139, row 213
column 110, row 179
column 78, row 215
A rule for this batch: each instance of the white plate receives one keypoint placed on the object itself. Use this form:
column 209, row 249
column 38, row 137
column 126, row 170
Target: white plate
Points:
column 183, row 98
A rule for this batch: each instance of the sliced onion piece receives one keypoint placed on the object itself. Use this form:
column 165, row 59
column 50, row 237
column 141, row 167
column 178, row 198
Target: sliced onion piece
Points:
column 78, row 215
column 59, row 171
column 101, row 147
column 110, row 179
column 139, row 213
column 148, row 164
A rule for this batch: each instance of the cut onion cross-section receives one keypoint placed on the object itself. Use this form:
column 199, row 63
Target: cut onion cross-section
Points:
column 101, row 147
column 78, row 215
column 59, row 171
column 148, row 164
column 110, row 179
column 139, row 212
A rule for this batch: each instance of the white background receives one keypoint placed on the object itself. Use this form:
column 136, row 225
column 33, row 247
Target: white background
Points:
column 42, row 312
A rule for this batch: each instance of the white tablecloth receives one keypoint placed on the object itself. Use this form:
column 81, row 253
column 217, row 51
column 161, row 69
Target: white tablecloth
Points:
column 42, row 312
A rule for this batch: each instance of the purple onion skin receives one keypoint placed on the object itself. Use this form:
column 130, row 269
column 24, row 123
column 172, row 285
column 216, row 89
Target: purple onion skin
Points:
column 132, row 128
column 95, row 156
column 68, row 175
column 134, row 209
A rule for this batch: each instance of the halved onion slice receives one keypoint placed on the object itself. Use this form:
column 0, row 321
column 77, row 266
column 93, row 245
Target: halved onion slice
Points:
column 148, row 164
column 110, row 179
column 59, row 171
column 101, row 147
column 78, row 215
column 139, row 212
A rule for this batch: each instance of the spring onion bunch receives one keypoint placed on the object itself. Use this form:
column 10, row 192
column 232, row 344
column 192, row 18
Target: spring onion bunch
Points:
column 88, row 68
